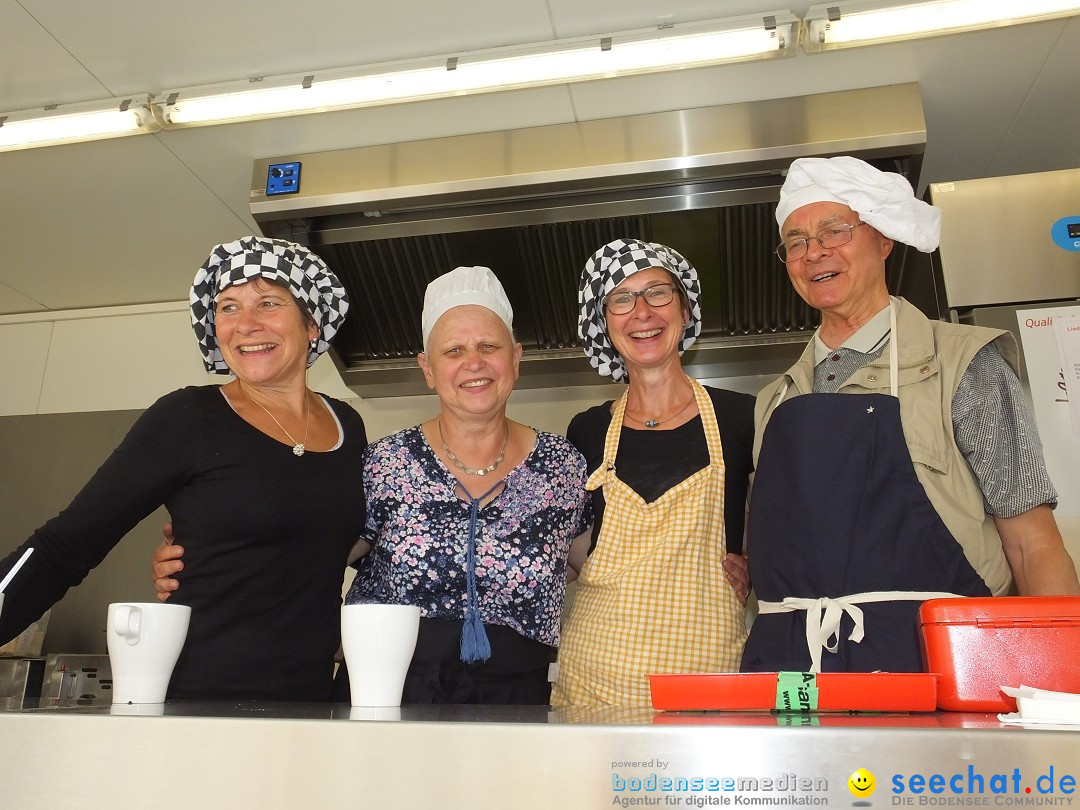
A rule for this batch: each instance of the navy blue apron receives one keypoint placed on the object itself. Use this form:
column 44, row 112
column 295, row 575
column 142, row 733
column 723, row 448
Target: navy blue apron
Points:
column 836, row 510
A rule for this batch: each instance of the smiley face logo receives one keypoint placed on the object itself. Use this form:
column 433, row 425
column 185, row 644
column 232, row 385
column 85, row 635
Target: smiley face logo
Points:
column 862, row 783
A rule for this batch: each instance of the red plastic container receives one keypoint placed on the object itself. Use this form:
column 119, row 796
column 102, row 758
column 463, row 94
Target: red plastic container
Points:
column 979, row 644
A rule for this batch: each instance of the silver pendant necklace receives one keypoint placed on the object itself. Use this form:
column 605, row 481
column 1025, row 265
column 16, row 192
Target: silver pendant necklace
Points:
column 469, row 470
column 298, row 447
column 655, row 423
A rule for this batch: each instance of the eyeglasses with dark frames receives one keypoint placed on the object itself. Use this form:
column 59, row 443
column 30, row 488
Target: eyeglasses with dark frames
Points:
column 624, row 301
column 832, row 237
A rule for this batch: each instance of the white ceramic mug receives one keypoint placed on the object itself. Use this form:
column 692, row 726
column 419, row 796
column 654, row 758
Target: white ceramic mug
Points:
column 144, row 639
column 138, row 709
column 378, row 641
column 382, row 713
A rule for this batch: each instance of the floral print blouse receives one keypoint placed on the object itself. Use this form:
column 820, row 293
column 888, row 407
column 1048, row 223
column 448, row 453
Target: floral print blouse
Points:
column 418, row 527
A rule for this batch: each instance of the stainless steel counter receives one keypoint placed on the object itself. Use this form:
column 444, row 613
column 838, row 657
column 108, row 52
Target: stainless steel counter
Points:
column 58, row 755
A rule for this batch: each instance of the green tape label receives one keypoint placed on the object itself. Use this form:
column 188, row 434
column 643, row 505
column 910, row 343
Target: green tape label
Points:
column 796, row 692
column 792, row 720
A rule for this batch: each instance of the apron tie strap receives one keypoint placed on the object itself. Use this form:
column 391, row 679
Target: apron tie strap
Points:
column 600, row 475
column 823, row 616
column 894, row 362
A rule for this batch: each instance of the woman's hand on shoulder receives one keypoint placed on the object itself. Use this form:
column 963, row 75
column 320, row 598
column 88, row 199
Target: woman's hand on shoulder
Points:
column 360, row 549
column 166, row 562
column 578, row 554
column 737, row 570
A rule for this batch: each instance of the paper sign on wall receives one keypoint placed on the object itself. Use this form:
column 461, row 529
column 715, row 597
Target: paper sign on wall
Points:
column 1051, row 341
column 1068, row 336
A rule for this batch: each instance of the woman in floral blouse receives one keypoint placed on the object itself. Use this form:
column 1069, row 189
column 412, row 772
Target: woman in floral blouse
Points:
column 472, row 516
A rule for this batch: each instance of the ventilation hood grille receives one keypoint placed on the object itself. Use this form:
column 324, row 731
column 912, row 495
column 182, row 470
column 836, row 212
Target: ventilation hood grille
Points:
column 534, row 204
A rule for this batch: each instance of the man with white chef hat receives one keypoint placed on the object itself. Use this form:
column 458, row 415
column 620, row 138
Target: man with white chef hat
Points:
column 931, row 483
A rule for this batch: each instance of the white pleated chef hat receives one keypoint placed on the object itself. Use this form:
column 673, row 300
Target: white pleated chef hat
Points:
column 461, row 286
column 883, row 200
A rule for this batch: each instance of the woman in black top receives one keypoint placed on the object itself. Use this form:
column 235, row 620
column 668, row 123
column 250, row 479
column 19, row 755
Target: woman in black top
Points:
column 261, row 477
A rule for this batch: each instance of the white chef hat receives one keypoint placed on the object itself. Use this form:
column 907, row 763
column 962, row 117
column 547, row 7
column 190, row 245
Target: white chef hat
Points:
column 461, row 286
column 883, row 200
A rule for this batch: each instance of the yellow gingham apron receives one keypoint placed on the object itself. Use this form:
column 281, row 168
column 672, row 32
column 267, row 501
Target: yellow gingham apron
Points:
column 652, row 597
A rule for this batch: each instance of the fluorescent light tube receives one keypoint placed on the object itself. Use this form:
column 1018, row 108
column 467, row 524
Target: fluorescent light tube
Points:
column 69, row 123
column 851, row 24
column 679, row 47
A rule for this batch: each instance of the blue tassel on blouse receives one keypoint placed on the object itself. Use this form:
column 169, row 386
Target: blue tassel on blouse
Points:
column 474, row 641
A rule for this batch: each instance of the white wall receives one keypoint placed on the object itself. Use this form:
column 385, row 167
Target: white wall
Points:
column 108, row 359
column 124, row 358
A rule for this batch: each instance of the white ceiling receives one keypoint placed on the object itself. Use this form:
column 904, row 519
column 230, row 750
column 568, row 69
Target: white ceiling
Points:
column 128, row 221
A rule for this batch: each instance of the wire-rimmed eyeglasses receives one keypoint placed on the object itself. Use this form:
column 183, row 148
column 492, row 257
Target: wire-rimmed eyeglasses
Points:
column 623, row 301
column 832, row 237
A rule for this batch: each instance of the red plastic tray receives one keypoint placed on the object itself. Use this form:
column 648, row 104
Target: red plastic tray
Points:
column 744, row 719
column 837, row 691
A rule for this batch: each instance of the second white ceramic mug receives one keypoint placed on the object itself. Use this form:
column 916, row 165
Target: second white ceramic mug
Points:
column 144, row 640
column 378, row 641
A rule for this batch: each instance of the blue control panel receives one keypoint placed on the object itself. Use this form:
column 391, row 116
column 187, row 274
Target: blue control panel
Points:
column 1066, row 233
column 283, row 178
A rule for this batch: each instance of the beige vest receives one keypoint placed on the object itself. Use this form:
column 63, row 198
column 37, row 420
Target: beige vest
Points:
column 933, row 356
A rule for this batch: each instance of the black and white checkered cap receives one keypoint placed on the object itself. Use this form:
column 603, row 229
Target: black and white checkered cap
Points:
column 309, row 280
column 609, row 267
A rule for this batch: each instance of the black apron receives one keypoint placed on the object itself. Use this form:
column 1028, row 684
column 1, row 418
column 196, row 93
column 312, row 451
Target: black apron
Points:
column 837, row 510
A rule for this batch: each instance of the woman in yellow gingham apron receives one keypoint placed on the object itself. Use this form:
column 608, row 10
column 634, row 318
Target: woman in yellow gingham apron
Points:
column 653, row 596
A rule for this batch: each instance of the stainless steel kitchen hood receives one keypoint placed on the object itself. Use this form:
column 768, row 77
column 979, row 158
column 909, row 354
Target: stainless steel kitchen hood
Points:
column 534, row 203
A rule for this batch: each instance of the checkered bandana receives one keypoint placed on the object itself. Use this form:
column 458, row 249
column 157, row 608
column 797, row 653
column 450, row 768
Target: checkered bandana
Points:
column 309, row 280
column 607, row 269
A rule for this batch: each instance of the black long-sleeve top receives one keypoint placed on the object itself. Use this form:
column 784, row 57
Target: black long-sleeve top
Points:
column 265, row 535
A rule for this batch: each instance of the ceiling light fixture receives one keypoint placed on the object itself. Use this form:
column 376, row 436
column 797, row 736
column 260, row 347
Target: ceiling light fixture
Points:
column 670, row 48
column 68, row 123
column 673, row 47
column 843, row 25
